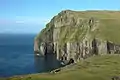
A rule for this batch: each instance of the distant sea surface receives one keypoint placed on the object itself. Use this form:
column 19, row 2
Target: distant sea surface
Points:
column 17, row 56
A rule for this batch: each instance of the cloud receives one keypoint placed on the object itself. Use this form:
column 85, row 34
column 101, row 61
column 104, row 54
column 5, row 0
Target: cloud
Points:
column 25, row 20
column 22, row 24
column 19, row 22
column 31, row 20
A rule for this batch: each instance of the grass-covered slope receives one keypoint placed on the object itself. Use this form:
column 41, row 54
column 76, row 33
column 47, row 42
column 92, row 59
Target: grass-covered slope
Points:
column 94, row 68
column 108, row 23
column 110, row 29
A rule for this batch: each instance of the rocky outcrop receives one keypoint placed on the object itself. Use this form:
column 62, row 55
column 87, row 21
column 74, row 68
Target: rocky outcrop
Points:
column 71, row 36
column 115, row 78
column 36, row 46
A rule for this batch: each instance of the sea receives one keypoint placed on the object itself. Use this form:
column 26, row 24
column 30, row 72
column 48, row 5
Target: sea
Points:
column 17, row 56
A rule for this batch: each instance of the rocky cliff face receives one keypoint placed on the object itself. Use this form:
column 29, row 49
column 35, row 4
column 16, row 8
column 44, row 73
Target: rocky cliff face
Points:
column 72, row 35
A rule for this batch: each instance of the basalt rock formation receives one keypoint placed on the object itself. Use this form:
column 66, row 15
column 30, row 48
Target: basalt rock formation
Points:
column 80, row 34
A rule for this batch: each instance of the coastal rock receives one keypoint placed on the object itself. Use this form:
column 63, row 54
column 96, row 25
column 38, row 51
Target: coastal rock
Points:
column 72, row 35
column 115, row 78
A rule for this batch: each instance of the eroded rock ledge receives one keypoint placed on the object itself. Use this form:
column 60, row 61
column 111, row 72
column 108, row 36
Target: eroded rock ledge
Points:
column 72, row 36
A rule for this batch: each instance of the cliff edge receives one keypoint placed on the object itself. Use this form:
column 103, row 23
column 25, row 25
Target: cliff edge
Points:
column 79, row 34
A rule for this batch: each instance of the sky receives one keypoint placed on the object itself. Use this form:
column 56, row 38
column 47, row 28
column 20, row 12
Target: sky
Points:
column 30, row 16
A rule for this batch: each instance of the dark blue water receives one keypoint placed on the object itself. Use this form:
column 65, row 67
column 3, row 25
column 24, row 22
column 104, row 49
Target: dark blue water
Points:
column 17, row 56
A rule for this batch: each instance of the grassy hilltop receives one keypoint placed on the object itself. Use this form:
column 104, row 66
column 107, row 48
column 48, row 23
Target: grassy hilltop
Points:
column 107, row 23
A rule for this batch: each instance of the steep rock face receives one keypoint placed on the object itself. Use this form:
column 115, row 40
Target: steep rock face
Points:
column 72, row 36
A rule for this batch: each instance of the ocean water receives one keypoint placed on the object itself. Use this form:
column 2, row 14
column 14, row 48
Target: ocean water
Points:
column 17, row 56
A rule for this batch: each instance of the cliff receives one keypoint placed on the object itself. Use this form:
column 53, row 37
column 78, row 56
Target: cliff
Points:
column 79, row 34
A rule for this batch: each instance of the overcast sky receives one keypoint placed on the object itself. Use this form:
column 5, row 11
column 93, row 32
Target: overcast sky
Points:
column 30, row 16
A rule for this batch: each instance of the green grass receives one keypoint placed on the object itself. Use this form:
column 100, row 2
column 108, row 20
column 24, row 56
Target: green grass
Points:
column 110, row 29
column 95, row 68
